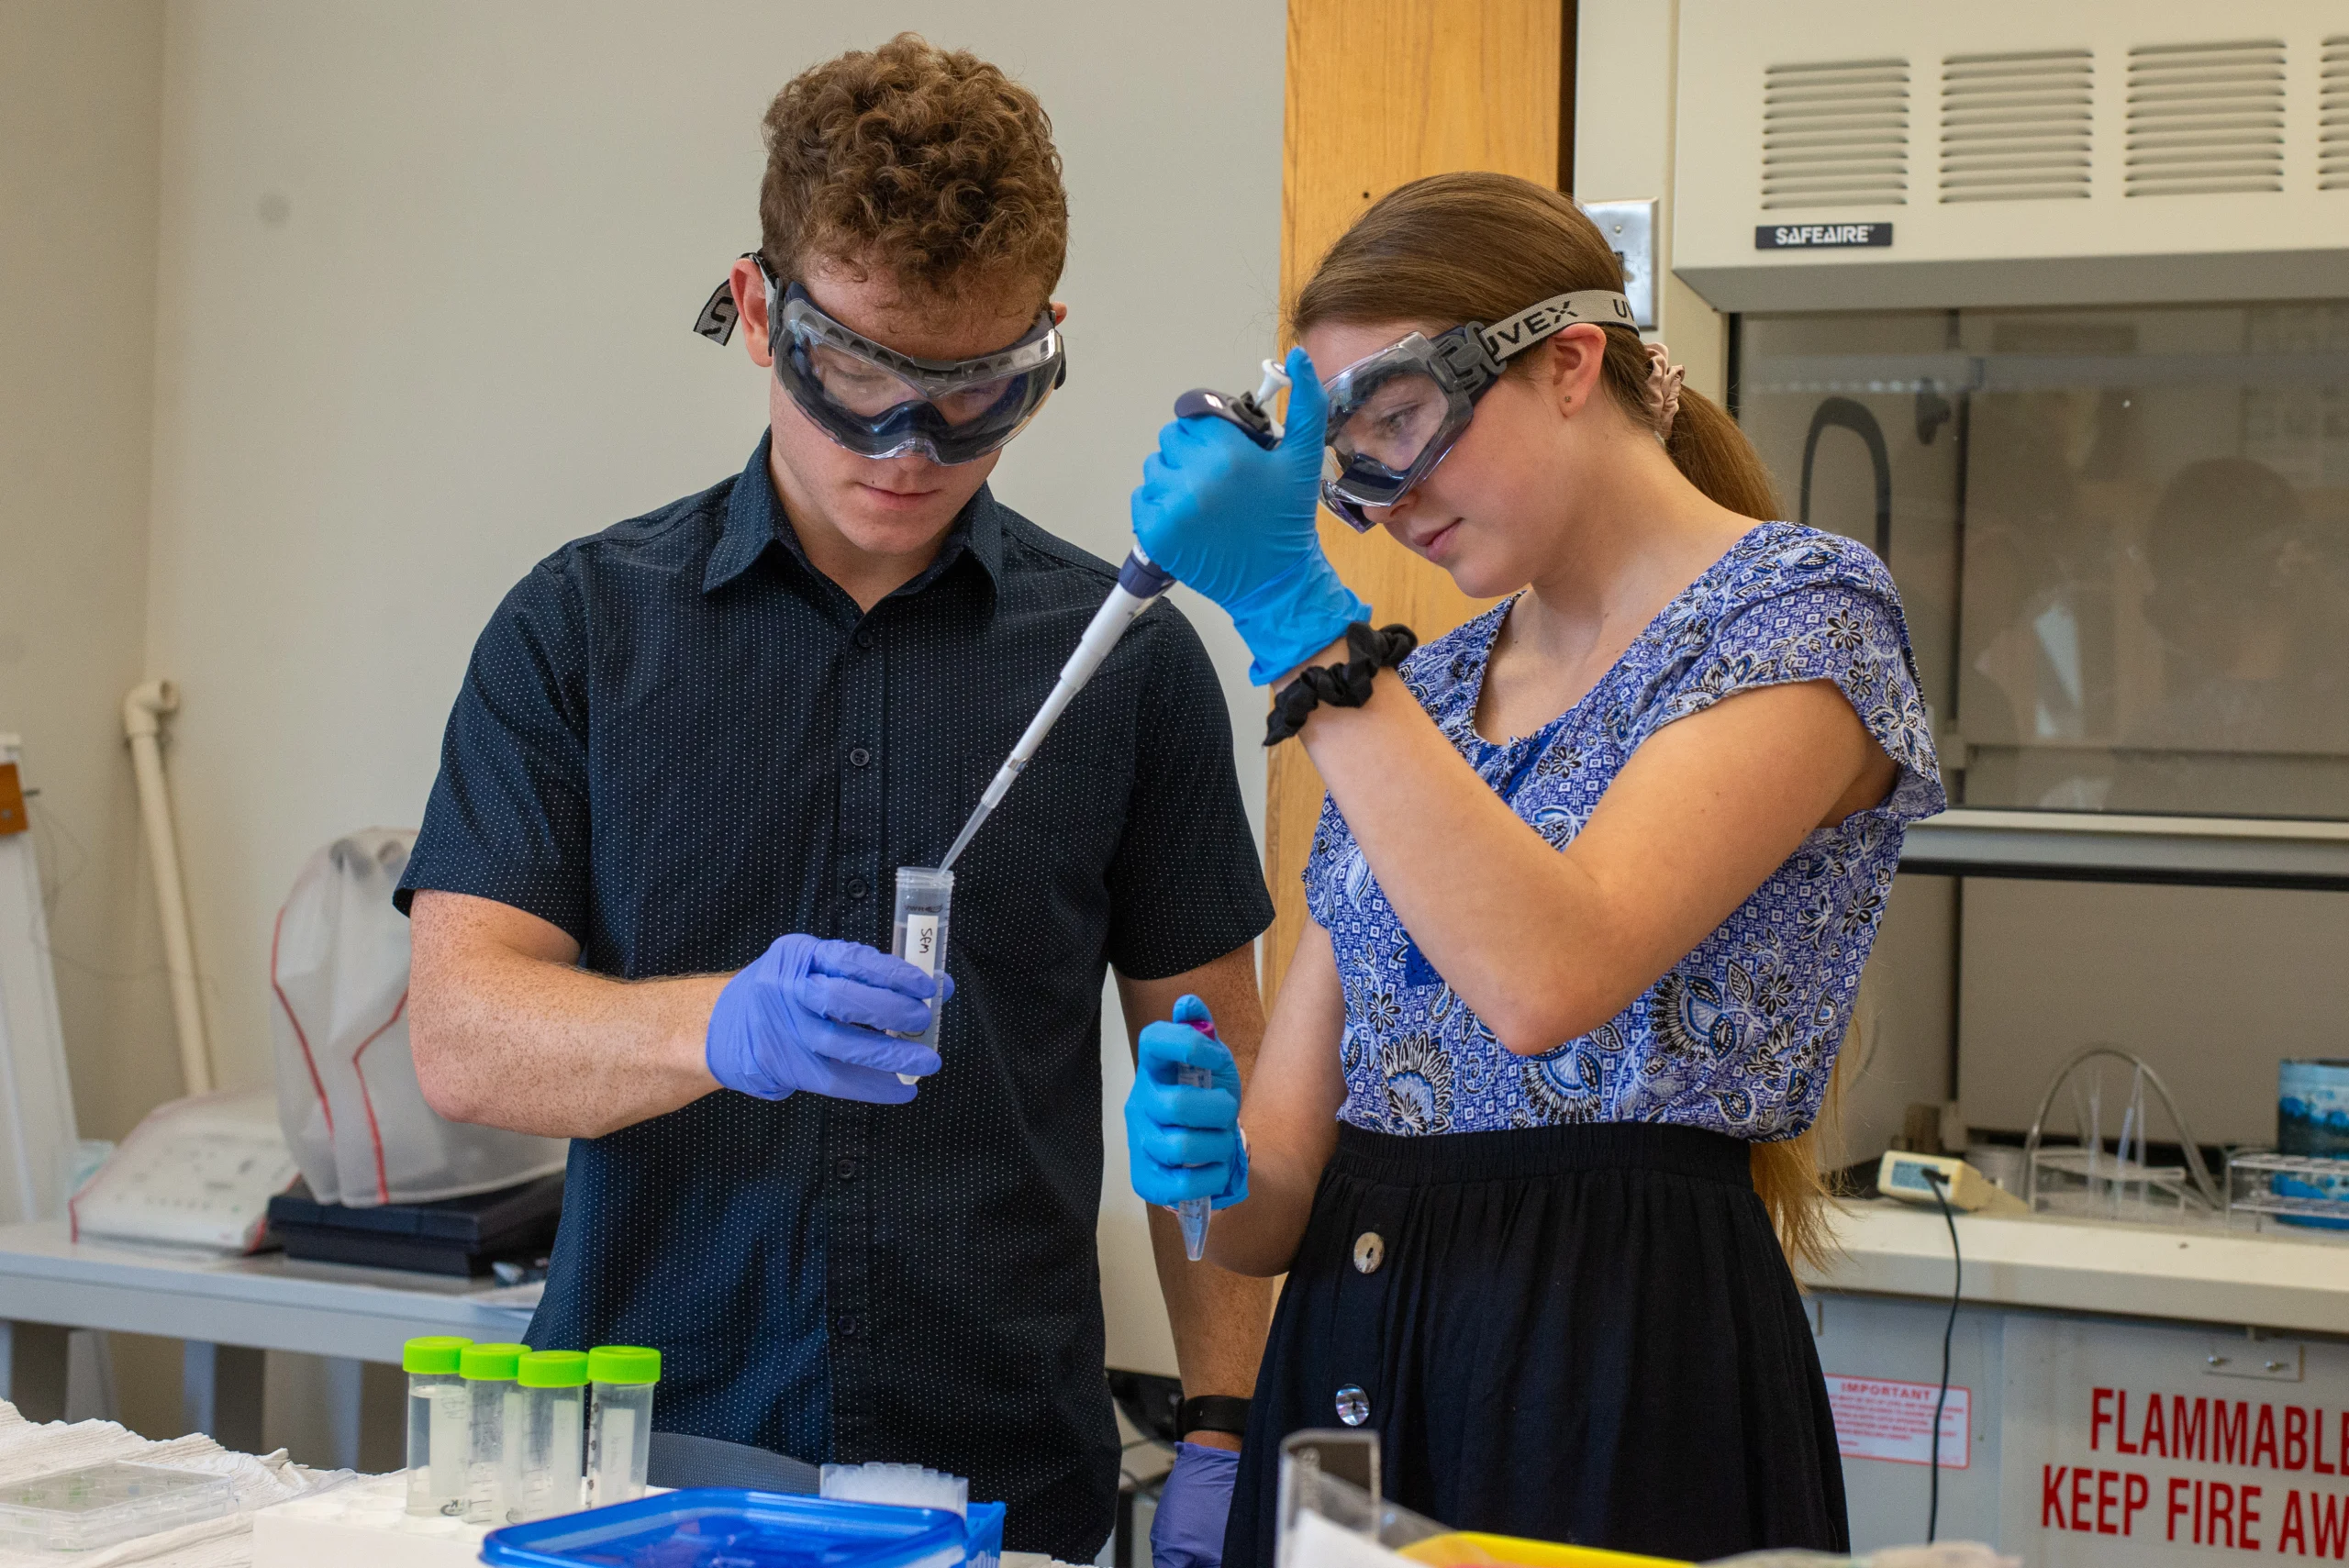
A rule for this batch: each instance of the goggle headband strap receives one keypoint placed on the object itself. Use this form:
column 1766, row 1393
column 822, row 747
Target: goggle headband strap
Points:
column 1473, row 354
column 1514, row 334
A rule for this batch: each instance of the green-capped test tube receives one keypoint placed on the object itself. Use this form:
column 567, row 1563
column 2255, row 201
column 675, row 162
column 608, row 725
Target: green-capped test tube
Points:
column 439, row 1431
column 619, row 1429
column 494, row 1458
column 553, row 1387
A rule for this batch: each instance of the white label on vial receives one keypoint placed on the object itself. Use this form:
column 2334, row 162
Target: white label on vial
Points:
column 921, row 951
column 921, row 941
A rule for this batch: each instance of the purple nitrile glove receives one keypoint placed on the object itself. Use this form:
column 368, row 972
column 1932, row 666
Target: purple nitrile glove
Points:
column 808, row 1014
column 1194, row 1505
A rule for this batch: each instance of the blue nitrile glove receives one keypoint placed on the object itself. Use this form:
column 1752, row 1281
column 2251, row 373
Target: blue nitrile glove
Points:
column 1193, row 1508
column 1184, row 1142
column 1235, row 522
column 809, row 1014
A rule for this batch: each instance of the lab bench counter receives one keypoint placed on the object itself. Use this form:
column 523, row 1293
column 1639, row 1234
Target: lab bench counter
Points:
column 227, row 1311
column 2260, row 1280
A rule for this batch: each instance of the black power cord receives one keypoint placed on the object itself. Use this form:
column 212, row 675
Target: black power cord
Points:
column 1957, row 1283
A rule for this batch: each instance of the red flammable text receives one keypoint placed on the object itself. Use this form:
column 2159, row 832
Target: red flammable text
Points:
column 2219, row 1431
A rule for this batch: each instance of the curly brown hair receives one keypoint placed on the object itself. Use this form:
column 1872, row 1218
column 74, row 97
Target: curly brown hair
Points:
column 929, row 163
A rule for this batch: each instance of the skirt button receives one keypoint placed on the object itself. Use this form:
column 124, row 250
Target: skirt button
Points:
column 1354, row 1405
column 1370, row 1251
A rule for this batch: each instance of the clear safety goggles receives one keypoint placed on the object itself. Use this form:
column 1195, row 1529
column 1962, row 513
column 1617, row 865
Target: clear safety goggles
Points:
column 1395, row 413
column 879, row 403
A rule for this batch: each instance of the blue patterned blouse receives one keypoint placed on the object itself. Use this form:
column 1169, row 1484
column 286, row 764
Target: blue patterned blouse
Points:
column 1737, row 1037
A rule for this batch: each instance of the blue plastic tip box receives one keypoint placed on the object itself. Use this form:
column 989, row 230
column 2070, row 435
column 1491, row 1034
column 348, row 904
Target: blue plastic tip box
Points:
column 714, row 1526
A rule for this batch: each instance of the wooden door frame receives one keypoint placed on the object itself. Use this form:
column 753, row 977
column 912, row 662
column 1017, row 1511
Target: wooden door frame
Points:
column 1381, row 92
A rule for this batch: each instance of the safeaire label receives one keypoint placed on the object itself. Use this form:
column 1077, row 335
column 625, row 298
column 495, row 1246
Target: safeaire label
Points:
column 1878, row 1418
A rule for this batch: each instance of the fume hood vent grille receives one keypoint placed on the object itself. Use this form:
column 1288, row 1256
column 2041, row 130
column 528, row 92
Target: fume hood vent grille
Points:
column 2016, row 127
column 2333, row 117
column 2205, row 118
column 1835, row 133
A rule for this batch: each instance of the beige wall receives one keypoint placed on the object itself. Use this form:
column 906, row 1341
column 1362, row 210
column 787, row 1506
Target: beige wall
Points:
column 1626, row 78
column 80, row 88
column 427, row 271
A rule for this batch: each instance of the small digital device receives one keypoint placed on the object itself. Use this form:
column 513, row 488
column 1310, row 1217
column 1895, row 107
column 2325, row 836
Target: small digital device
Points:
column 1903, row 1175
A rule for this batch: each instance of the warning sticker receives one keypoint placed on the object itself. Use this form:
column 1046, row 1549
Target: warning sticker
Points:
column 1878, row 1418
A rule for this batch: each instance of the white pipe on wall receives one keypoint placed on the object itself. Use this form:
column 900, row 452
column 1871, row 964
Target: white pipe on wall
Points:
column 143, row 721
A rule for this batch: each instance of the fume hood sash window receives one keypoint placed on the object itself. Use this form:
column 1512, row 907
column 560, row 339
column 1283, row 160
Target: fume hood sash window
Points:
column 2121, row 535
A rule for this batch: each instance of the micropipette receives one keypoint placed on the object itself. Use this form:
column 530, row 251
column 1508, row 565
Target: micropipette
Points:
column 1139, row 582
column 1195, row 1212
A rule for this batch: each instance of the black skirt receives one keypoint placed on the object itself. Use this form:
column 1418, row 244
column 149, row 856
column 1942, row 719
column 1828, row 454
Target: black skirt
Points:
column 1582, row 1334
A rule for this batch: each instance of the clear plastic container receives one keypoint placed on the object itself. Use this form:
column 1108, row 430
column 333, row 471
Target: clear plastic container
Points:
column 439, row 1431
column 917, row 931
column 619, row 1426
column 494, row 1457
column 553, row 1390
column 97, row 1505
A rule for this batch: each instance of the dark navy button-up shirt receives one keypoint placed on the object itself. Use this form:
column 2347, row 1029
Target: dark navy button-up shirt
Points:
column 677, row 741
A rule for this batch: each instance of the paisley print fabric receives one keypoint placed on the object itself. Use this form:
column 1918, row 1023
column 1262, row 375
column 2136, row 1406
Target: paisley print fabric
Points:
column 1738, row 1036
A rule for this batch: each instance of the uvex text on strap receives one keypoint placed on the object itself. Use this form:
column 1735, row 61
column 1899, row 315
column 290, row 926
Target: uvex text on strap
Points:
column 1395, row 413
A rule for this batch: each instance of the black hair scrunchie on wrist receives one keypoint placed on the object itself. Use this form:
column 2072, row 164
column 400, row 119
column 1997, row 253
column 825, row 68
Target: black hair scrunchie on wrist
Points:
column 1339, row 685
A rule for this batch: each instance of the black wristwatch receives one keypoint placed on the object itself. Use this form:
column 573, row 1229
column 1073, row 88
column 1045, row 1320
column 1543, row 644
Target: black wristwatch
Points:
column 1225, row 1413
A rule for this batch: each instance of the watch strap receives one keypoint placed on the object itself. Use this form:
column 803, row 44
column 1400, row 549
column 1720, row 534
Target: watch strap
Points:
column 1225, row 1413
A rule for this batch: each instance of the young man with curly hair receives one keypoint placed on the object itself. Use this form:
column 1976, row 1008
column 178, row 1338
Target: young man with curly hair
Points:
column 652, row 898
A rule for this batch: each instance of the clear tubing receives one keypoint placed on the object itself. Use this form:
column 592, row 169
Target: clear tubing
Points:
column 617, row 1445
column 918, row 930
column 553, row 1471
column 495, row 1450
column 439, row 1439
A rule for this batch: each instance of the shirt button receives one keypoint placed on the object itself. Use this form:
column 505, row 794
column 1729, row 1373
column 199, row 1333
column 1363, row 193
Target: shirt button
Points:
column 1353, row 1405
column 845, row 1169
column 1370, row 1251
column 849, row 1327
column 865, row 639
column 857, row 887
column 860, row 756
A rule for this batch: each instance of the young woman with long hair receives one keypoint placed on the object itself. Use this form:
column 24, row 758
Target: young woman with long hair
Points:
column 1590, row 898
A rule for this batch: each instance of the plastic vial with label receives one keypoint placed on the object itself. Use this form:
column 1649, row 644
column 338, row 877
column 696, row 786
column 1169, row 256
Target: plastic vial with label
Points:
column 925, row 897
column 619, row 1426
column 493, row 1469
column 552, row 1386
column 439, row 1431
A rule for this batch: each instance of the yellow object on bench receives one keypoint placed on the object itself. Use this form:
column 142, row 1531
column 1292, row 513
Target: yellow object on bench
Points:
column 1474, row 1549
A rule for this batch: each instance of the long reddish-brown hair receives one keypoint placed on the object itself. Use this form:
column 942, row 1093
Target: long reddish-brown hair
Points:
column 1481, row 247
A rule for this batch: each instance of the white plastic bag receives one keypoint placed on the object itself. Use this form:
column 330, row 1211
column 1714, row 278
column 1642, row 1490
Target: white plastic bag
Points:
column 347, row 1094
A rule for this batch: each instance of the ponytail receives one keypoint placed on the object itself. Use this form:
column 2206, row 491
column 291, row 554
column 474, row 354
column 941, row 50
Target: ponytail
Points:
column 1713, row 453
column 1479, row 247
